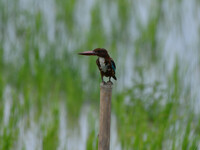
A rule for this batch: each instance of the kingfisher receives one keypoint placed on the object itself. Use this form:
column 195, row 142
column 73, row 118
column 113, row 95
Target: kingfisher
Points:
column 104, row 62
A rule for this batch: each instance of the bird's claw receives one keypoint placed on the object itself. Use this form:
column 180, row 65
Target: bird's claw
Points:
column 103, row 82
column 110, row 82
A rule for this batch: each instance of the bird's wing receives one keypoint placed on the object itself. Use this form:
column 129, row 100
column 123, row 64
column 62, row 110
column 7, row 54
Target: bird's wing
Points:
column 113, row 64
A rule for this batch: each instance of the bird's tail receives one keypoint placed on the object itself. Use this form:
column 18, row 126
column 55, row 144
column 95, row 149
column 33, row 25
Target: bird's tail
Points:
column 114, row 78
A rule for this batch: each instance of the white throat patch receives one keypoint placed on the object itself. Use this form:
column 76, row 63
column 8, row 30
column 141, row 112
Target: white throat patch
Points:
column 102, row 64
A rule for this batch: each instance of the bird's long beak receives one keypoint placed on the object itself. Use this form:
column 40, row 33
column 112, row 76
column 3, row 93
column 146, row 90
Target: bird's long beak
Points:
column 88, row 53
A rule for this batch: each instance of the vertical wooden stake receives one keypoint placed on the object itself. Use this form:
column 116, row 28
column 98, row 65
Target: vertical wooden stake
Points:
column 105, row 113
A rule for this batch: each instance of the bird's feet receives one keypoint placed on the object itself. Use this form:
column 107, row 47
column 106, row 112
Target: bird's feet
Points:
column 110, row 82
column 103, row 82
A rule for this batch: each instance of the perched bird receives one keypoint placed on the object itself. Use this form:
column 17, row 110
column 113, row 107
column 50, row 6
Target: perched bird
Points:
column 104, row 62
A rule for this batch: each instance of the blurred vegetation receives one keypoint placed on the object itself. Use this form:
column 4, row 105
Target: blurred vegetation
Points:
column 38, row 75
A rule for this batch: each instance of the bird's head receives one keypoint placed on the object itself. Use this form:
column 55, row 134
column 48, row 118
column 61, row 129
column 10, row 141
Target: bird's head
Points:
column 101, row 52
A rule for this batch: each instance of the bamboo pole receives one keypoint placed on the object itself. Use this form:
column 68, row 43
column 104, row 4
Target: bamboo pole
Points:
column 105, row 116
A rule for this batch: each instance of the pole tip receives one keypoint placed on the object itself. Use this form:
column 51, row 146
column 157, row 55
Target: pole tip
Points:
column 106, row 84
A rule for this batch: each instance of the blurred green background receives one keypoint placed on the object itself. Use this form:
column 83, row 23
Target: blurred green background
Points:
column 49, row 96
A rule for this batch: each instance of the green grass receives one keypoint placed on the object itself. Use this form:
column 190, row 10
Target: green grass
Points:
column 156, row 115
column 145, row 123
